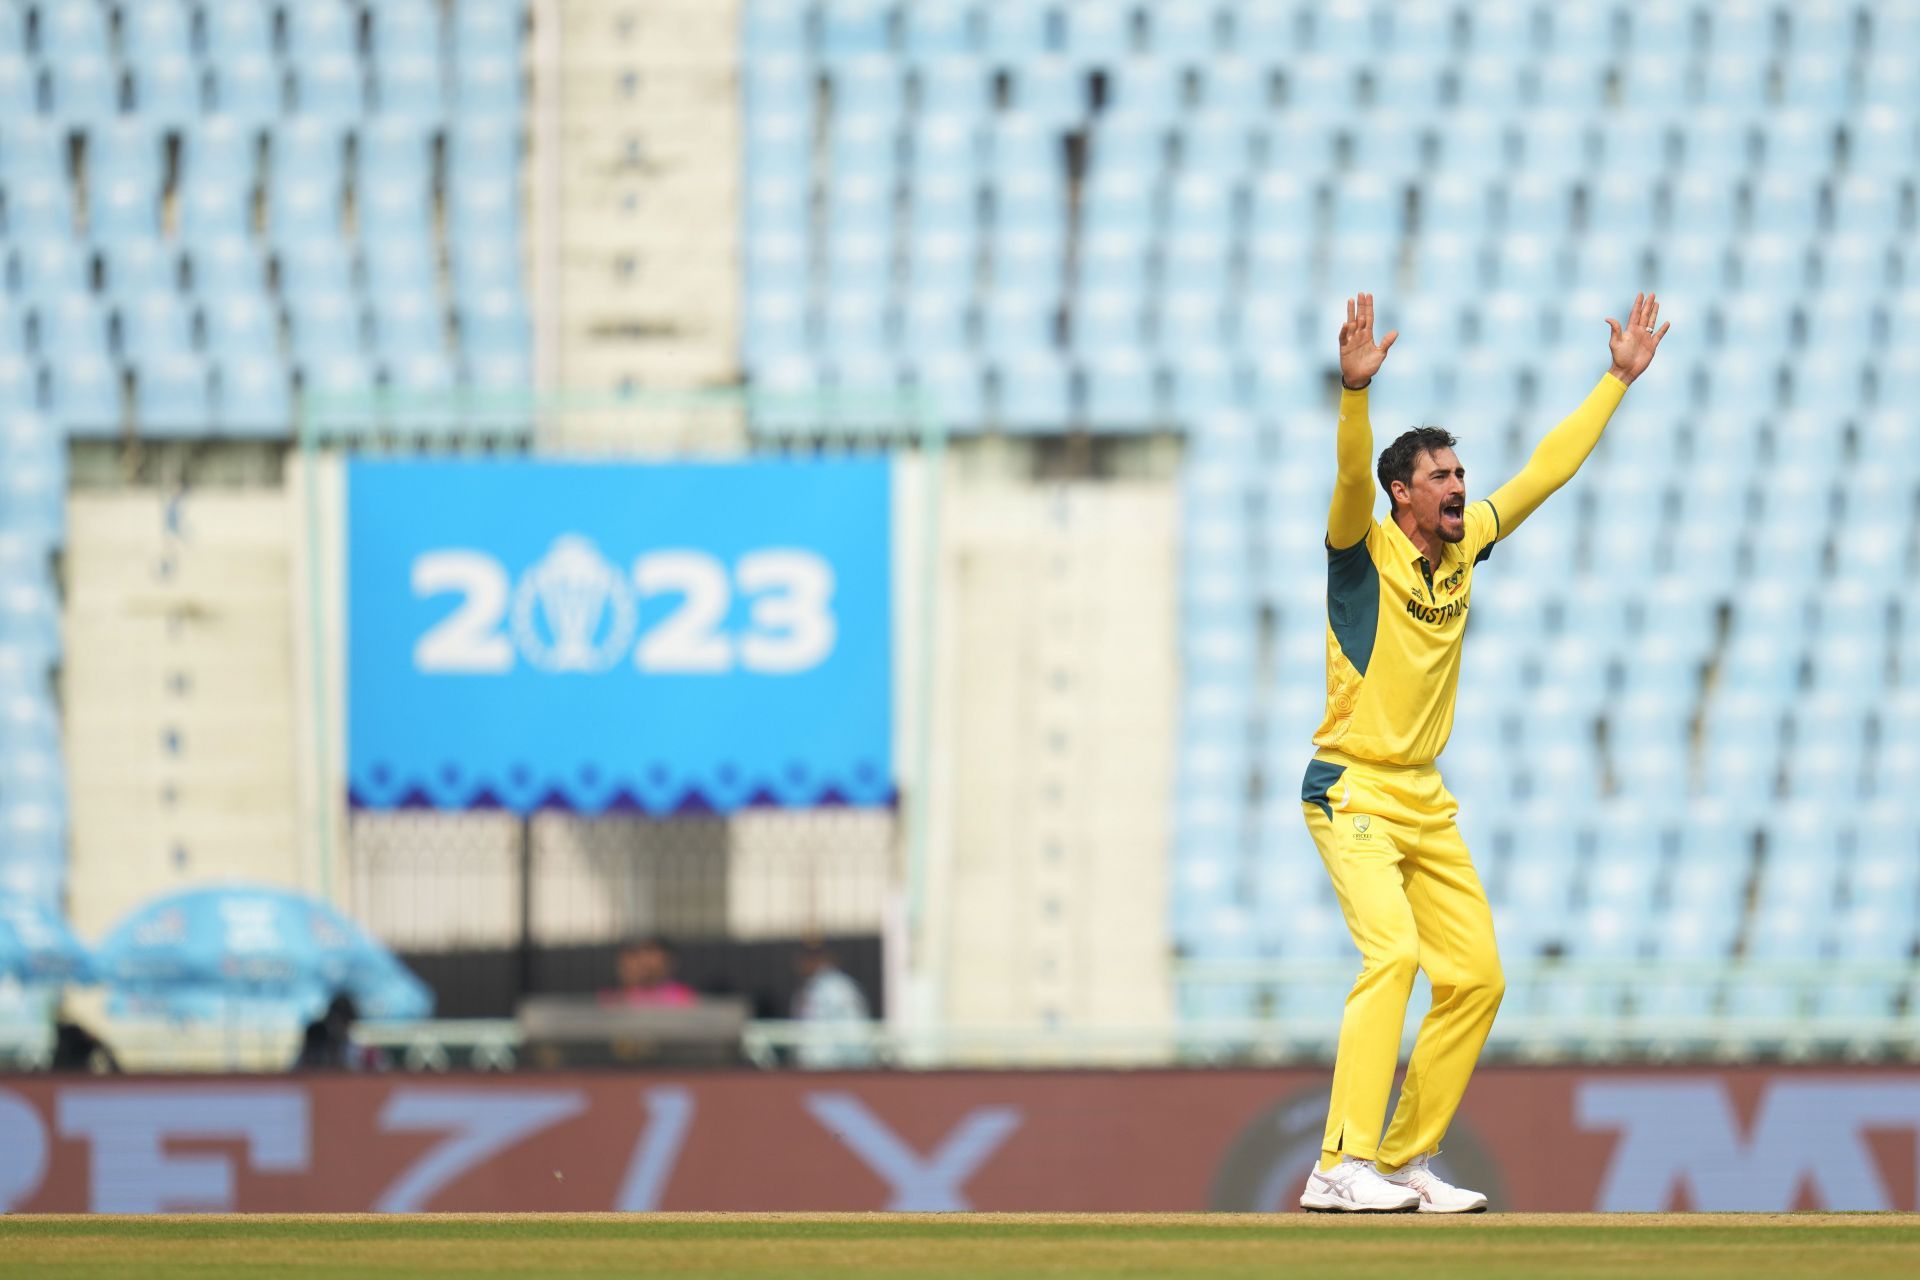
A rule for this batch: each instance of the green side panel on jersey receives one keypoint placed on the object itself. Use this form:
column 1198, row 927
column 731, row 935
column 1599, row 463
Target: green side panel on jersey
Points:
column 1317, row 787
column 1353, row 602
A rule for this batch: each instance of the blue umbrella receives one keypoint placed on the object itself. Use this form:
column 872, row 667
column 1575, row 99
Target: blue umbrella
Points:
column 36, row 946
column 203, row 948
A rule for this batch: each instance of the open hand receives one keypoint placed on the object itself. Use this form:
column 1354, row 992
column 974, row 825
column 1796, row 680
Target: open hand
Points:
column 1634, row 346
column 1360, row 355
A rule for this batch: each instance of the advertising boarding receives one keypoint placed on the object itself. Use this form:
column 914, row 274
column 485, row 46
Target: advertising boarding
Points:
column 587, row 636
column 1534, row 1139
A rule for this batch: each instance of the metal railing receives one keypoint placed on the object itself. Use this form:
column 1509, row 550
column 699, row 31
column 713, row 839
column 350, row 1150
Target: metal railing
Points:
column 1555, row 1011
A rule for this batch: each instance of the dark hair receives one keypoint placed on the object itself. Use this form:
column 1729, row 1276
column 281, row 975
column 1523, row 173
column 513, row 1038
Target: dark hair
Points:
column 1397, row 459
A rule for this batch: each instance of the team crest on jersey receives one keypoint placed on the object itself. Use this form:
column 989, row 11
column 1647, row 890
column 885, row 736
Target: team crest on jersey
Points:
column 1361, row 822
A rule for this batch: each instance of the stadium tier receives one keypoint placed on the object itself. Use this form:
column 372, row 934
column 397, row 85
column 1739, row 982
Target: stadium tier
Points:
column 214, row 208
column 1687, row 715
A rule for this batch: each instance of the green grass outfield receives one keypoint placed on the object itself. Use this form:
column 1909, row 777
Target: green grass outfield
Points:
column 790, row 1246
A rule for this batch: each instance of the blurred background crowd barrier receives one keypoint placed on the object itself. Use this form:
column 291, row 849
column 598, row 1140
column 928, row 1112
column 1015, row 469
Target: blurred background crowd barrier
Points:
column 816, row 505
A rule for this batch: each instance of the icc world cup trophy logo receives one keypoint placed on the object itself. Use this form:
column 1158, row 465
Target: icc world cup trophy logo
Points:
column 573, row 611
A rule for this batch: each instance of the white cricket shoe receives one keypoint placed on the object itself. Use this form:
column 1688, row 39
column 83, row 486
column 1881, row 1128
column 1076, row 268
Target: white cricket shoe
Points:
column 1353, row 1186
column 1436, row 1195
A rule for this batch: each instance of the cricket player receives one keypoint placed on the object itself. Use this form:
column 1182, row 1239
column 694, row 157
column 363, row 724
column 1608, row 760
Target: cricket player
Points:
column 1397, row 593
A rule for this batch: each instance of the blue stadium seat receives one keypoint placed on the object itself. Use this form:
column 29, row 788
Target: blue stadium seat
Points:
column 322, row 29
column 955, row 387
column 855, row 322
column 38, row 209
column 1741, row 29
column 954, row 91
column 84, row 394
column 20, row 87
column 1784, row 205
column 1569, row 84
column 1865, row 207
column 1105, row 318
column 770, row 28
column 153, row 325
column 241, row 327
column 1234, row 86
column 1702, row 207
column 1886, row 90
column 1035, row 391
column 399, row 209
column 173, row 395
column 123, row 209
column 70, row 32
column 777, row 326
column 1205, row 382
column 1812, row 82
column 1491, row 86
column 338, row 393
column 854, row 28
column 233, row 264
column 414, row 88
column 13, row 31
column 20, row 384
column 1734, row 83
column 405, row 31
column 253, row 397
column 400, row 150
column 325, row 327
column 1687, row 935
column 492, row 28
column 213, row 210
column 1145, row 89
column 937, row 28
column 867, row 86
column 83, row 91
column 1715, row 146
column 423, row 381
column 236, row 29
column 1408, row 87
column 488, row 86
column 249, row 88
column 71, row 324
column 300, row 207
column 1120, row 392
column 167, row 91
column 494, row 326
column 51, row 267
column 1015, row 322
column 485, row 211
column 1093, row 32
column 320, row 265
column 329, row 88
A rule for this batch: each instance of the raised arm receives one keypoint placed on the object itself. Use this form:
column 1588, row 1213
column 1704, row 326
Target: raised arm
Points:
column 1565, row 447
column 1360, row 358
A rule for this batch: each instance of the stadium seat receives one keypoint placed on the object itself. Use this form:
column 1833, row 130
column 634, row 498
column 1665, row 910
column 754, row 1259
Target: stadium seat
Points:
column 173, row 396
column 241, row 326
column 169, row 91
column 154, row 324
column 71, row 32
column 83, row 90
column 253, row 396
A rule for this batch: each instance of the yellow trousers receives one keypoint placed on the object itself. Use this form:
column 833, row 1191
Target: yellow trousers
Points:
column 1412, row 901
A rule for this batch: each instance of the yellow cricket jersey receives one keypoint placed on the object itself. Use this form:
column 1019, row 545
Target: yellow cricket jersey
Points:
column 1395, row 621
column 1394, row 627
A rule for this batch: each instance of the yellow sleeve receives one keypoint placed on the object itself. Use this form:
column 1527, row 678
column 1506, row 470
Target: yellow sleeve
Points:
column 1483, row 527
column 1557, row 456
column 1351, row 514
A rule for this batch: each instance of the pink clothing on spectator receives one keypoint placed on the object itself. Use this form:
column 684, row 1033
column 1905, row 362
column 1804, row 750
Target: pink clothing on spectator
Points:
column 665, row 995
